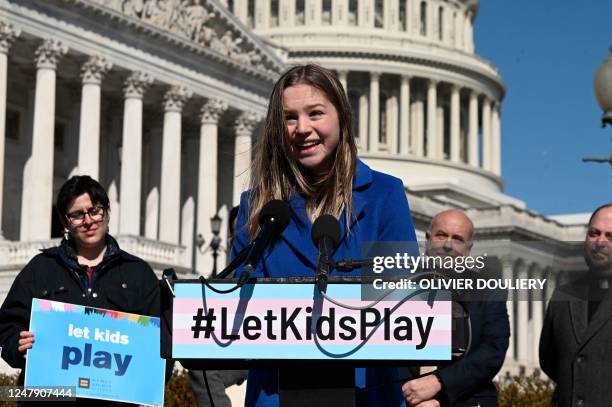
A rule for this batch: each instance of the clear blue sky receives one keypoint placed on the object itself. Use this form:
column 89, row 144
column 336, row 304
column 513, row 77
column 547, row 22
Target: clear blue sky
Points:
column 547, row 53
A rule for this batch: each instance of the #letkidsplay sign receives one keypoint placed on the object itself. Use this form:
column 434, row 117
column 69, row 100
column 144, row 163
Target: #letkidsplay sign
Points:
column 107, row 355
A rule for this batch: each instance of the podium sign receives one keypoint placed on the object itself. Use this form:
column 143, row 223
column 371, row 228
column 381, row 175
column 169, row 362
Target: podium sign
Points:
column 292, row 321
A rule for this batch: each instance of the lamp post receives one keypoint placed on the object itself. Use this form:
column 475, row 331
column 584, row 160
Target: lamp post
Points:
column 215, row 244
column 602, row 84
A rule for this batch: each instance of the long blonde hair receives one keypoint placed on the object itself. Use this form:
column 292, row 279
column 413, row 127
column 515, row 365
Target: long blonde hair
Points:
column 275, row 175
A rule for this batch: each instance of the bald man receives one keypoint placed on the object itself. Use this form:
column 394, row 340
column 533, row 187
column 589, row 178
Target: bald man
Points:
column 577, row 331
column 467, row 382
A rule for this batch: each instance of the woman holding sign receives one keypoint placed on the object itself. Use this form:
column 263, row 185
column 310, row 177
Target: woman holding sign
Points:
column 307, row 157
column 87, row 268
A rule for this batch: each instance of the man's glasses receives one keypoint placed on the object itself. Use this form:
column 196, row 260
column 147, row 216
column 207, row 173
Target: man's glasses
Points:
column 76, row 218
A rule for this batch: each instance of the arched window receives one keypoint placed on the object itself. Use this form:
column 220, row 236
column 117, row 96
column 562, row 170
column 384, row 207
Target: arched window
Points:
column 453, row 33
column 250, row 13
column 300, row 12
column 382, row 118
column 403, row 16
column 326, row 16
column 274, row 13
column 441, row 24
column 423, row 25
column 230, row 5
column 379, row 14
column 352, row 12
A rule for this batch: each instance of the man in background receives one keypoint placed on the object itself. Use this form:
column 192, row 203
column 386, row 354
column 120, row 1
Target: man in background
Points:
column 577, row 330
column 467, row 382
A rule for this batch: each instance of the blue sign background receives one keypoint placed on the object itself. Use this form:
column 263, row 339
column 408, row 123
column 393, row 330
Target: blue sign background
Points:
column 143, row 380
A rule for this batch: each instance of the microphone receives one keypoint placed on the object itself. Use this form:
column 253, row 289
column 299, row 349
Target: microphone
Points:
column 325, row 235
column 350, row 264
column 273, row 219
column 240, row 257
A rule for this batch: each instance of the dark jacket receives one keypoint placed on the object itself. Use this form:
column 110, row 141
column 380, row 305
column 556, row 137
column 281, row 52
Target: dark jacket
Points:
column 469, row 381
column 574, row 351
column 122, row 282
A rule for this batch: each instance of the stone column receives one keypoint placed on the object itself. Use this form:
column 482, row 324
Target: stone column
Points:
column 418, row 125
column 365, row 14
column 486, row 134
column 340, row 12
column 414, row 14
column 363, row 122
column 374, row 135
column 170, row 201
column 291, row 20
column 283, row 14
column 313, row 12
column 391, row 126
column 537, row 306
column 496, row 140
column 473, row 130
column 524, row 335
column 432, row 107
column 40, row 182
column 391, row 10
column 262, row 14
column 244, row 127
column 468, row 37
column 207, row 177
column 507, row 273
column 449, row 24
column 405, row 115
column 241, row 11
column 459, row 21
column 131, row 153
column 455, row 125
column 343, row 78
column 8, row 34
column 440, row 124
column 431, row 23
column 92, row 73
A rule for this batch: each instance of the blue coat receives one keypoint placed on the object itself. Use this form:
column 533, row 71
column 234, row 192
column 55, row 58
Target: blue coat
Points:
column 381, row 213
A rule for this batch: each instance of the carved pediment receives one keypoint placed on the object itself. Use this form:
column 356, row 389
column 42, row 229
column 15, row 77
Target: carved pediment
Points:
column 200, row 22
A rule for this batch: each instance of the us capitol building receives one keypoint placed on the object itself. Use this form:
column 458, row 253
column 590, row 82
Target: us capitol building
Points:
column 161, row 100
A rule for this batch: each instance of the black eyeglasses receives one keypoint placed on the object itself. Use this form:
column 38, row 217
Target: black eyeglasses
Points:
column 96, row 214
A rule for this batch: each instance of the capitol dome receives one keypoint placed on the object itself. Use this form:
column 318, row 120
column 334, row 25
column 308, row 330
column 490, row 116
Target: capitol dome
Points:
column 427, row 108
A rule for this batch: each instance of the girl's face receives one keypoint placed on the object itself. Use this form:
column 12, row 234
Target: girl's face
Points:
column 313, row 127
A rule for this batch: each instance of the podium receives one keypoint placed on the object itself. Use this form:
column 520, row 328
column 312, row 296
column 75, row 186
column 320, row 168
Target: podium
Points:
column 315, row 341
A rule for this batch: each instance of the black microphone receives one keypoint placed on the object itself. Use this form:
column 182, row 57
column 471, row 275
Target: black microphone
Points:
column 240, row 257
column 325, row 235
column 350, row 264
column 273, row 219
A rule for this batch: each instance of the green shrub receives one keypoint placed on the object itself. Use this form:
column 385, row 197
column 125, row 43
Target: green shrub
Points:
column 8, row 380
column 178, row 391
column 523, row 390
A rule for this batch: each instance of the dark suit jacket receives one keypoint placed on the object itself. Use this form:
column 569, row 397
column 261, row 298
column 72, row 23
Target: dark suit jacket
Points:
column 469, row 381
column 574, row 353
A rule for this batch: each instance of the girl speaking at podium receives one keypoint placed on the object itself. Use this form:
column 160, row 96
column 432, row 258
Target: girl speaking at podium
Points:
column 307, row 157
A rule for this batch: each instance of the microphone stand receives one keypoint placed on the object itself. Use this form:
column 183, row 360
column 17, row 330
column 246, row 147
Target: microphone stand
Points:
column 240, row 258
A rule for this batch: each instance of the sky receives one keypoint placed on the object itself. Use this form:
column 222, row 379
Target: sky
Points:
column 547, row 53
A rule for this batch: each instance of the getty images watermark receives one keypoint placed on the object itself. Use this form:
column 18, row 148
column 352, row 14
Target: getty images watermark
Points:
column 401, row 271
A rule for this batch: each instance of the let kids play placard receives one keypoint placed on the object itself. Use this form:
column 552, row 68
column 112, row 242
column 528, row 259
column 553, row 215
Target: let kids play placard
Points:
column 106, row 354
